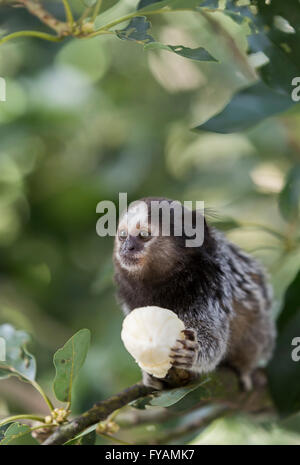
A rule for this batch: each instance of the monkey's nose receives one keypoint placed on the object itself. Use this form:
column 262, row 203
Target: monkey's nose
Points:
column 131, row 244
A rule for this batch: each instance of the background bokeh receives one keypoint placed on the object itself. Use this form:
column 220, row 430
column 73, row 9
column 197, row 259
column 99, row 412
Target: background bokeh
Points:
column 85, row 120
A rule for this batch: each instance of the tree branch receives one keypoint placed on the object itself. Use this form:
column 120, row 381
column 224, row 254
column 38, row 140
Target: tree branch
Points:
column 98, row 412
column 36, row 9
column 223, row 388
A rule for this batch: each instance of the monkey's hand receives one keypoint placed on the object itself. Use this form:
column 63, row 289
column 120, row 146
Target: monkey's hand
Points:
column 184, row 354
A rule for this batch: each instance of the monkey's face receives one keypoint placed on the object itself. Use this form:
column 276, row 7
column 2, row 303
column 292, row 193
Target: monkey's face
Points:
column 140, row 247
column 134, row 238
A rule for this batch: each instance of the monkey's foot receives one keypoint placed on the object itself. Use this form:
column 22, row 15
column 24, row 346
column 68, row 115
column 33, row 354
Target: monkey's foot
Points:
column 185, row 353
column 151, row 381
column 246, row 382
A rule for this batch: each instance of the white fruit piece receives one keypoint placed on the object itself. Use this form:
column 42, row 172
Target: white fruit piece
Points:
column 148, row 334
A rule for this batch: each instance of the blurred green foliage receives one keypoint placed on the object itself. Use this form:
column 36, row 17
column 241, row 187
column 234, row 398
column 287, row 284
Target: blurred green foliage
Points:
column 85, row 120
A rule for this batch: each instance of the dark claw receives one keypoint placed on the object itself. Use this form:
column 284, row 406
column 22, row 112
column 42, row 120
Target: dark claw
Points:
column 181, row 341
column 190, row 334
column 176, row 350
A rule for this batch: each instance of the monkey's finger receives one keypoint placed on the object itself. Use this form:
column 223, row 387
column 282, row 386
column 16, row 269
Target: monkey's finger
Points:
column 188, row 361
column 182, row 352
column 189, row 334
column 187, row 343
column 184, row 365
column 183, row 361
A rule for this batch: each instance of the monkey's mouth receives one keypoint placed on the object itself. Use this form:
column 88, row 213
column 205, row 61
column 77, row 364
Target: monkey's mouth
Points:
column 132, row 259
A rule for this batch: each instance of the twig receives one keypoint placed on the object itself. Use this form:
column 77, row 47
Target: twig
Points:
column 36, row 9
column 96, row 9
column 24, row 416
column 68, row 12
column 98, row 412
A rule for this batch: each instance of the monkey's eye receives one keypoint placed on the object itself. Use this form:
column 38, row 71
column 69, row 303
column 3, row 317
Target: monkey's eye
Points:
column 122, row 234
column 144, row 234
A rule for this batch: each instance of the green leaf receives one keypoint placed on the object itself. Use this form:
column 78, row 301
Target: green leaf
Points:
column 282, row 278
column 137, row 30
column 172, row 396
column 198, row 54
column 193, row 397
column 278, row 73
column 15, row 432
column 289, row 198
column 291, row 304
column 168, row 397
column 67, row 361
column 18, row 361
column 141, row 403
column 283, row 371
column 247, row 108
column 87, row 438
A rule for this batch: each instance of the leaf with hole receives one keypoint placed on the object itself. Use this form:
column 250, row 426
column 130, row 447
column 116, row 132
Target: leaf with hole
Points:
column 137, row 30
column 67, row 361
column 198, row 54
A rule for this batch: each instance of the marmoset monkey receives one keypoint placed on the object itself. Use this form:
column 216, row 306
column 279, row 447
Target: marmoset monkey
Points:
column 219, row 292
